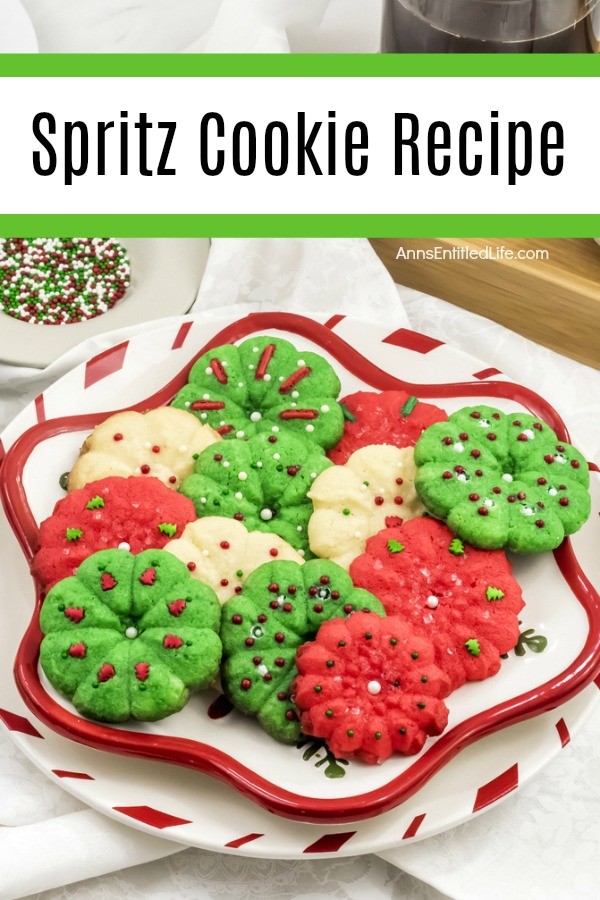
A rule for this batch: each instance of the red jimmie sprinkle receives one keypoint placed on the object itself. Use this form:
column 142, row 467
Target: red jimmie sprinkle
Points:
column 291, row 382
column 224, row 429
column 263, row 362
column 219, row 371
column 198, row 405
column 299, row 414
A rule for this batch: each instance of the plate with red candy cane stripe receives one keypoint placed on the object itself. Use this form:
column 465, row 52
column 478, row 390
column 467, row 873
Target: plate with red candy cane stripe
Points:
column 207, row 776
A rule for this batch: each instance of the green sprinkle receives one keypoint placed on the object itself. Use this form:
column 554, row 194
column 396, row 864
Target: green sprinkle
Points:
column 63, row 480
column 414, row 654
column 421, row 705
column 350, row 733
column 424, row 679
column 368, row 635
column 349, row 417
column 95, row 503
column 195, row 456
column 472, row 645
column 167, row 528
column 457, row 548
column 330, row 663
column 402, row 731
column 239, row 573
column 395, row 546
column 346, row 512
column 318, row 688
column 73, row 534
column 393, row 641
column 409, row 406
column 493, row 593
column 341, row 643
column 377, row 735
column 329, row 713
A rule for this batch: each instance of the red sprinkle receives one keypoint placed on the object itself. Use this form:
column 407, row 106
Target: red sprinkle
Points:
column 265, row 359
column 293, row 470
column 176, row 607
column 191, row 566
column 564, row 501
column 399, row 480
column 272, row 439
column 483, row 510
column 287, row 607
column 318, row 607
column 237, row 619
column 274, row 551
column 464, row 436
column 299, row 414
column 224, row 429
column 575, row 463
column 172, row 642
column 117, row 437
column 156, row 449
column 74, row 613
column 292, row 589
column 249, row 642
column 473, row 497
column 542, row 481
column 78, row 651
column 539, row 523
column 548, row 458
column 379, row 501
column 274, row 588
column 224, row 582
column 491, row 436
column 398, row 501
column 257, row 660
column 172, row 479
column 245, row 684
column 207, row 405
column 475, row 454
column 279, row 637
column 324, row 579
column 142, row 670
column 522, row 437
column 475, row 415
column 106, row 672
column 107, row 582
column 447, row 475
column 224, row 545
column 218, row 457
column 293, row 379
column 280, row 662
column 148, row 576
column 219, row 371
column 145, row 469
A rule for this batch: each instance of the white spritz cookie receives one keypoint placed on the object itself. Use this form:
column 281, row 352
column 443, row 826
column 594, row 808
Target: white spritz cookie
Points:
column 221, row 552
column 161, row 442
column 373, row 490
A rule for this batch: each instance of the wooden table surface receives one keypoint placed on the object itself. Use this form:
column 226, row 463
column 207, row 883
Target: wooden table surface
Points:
column 554, row 300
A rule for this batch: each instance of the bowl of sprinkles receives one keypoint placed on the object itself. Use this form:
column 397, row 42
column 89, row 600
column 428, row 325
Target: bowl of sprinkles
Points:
column 59, row 281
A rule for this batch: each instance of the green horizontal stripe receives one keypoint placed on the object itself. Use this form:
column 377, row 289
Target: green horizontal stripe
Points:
column 516, row 226
column 372, row 65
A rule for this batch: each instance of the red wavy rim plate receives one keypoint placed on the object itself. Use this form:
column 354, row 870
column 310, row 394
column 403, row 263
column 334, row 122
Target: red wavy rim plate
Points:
column 204, row 758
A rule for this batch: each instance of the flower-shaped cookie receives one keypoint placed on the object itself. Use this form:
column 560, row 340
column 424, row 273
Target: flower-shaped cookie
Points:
column 161, row 442
column 221, row 552
column 262, row 482
column 465, row 599
column 130, row 636
column 281, row 605
column 370, row 687
column 389, row 417
column 374, row 489
column 265, row 384
column 129, row 513
column 502, row 480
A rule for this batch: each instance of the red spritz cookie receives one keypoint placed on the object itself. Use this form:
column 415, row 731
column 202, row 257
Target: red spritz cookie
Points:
column 466, row 599
column 129, row 513
column 370, row 687
column 389, row 417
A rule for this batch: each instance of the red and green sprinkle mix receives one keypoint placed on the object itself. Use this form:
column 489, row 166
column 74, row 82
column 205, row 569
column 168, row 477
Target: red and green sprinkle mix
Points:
column 58, row 281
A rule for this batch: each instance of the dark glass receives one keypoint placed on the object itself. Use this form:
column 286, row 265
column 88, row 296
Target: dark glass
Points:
column 491, row 26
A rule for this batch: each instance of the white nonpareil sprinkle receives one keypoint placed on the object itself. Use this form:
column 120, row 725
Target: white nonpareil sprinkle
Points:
column 310, row 427
column 507, row 477
column 374, row 687
column 131, row 632
column 238, row 495
column 459, row 447
column 255, row 417
column 242, row 476
column 124, row 546
column 266, row 514
column 432, row 602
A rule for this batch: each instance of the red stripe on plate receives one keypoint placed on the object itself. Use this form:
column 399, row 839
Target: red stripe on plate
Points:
column 40, row 411
column 151, row 816
column 413, row 827
column 64, row 773
column 181, row 335
column 330, row 843
column 333, row 321
column 486, row 373
column 563, row 732
column 105, row 364
column 239, row 842
column 496, row 788
column 593, row 467
column 412, row 340
column 19, row 723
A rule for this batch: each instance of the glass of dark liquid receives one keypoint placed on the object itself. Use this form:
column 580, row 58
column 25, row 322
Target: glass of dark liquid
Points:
column 491, row 26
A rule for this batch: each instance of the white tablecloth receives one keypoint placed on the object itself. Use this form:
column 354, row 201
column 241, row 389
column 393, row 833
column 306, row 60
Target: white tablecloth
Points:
column 543, row 842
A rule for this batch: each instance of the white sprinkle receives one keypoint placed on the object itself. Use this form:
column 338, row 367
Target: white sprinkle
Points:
column 276, row 456
column 208, row 370
column 202, row 415
column 255, row 349
column 206, row 396
column 363, row 487
column 222, row 422
column 226, row 464
column 488, row 503
column 310, row 427
column 324, row 409
column 131, row 632
column 281, row 378
column 250, row 366
column 374, row 687
column 526, row 510
column 262, row 670
column 553, row 492
column 205, row 553
column 147, row 444
column 266, row 514
column 313, row 474
column 240, row 384
column 301, row 553
column 507, row 477
column 187, row 404
column 266, row 377
column 432, row 601
column 224, row 362
column 239, row 434
column 559, row 458
column 529, row 433
column 255, row 417
column 357, row 534
column 459, row 447
column 461, row 477
column 242, row 476
column 259, row 464
column 301, row 362
column 238, row 495
column 298, row 527
column 202, row 499
column 123, row 546
column 295, row 395
column 275, row 428
column 183, row 449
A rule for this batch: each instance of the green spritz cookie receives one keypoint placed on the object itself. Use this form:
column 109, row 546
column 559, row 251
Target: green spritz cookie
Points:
column 265, row 384
column 262, row 482
column 282, row 605
column 502, row 480
column 129, row 637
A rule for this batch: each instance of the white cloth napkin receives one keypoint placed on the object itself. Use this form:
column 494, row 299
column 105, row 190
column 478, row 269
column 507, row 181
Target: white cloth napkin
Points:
column 550, row 826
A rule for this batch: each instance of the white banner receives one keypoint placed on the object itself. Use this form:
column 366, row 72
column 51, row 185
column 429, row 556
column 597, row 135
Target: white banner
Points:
column 523, row 129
